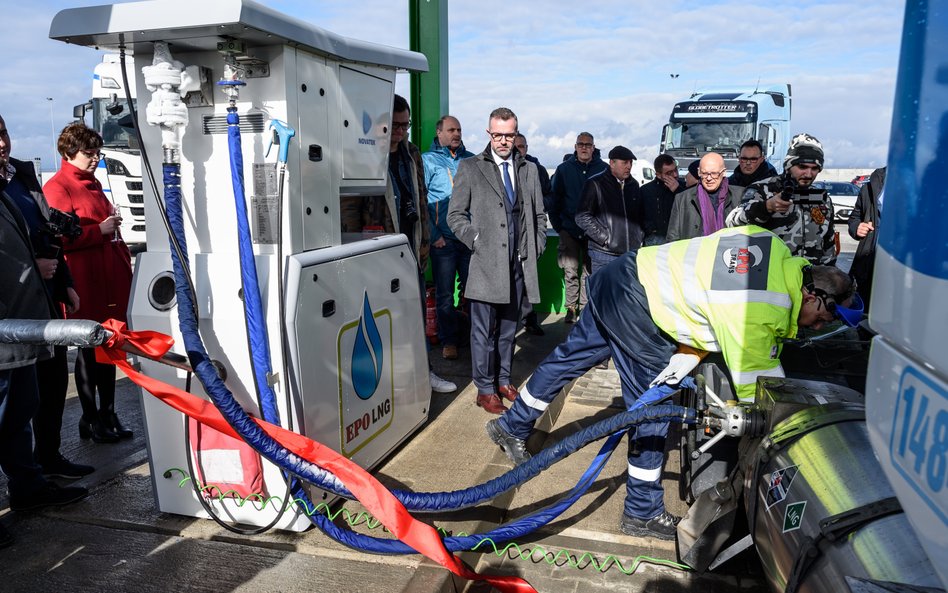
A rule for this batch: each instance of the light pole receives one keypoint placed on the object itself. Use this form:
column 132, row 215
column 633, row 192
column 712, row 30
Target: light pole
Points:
column 52, row 130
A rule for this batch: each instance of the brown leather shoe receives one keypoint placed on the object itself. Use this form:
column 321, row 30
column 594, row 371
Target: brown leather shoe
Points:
column 491, row 403
column 509, row 392
column 449, row 352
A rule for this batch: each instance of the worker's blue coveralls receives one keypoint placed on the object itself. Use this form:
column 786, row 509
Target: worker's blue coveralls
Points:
column 617, row 324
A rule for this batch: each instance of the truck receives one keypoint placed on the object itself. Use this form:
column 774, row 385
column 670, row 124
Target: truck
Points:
column 720, row 120
column 120, row 170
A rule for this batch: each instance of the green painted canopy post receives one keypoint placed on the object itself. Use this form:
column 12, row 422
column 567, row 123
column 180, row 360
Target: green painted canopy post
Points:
column 552, row 288
column 428, row 34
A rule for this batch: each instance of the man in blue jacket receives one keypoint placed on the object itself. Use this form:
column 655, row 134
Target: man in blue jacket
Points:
column 568, row 182
column 450, row 258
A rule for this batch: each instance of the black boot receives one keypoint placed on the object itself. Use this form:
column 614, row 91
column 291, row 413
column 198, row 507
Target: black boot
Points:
column 110, row 420
column 96, row 431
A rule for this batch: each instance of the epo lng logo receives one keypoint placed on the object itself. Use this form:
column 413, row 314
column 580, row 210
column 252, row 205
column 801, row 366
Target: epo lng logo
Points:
column 366, row 382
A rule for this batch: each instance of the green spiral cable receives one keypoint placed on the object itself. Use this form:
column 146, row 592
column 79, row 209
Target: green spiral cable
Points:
column 513, row 550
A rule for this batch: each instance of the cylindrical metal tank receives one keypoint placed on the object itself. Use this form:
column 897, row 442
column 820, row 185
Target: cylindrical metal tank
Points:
column 816, row 464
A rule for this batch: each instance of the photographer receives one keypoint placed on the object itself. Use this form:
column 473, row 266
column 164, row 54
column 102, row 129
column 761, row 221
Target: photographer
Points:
column 787, row 206
column 46, row 227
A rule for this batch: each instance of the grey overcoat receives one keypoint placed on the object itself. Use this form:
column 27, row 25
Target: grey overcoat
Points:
column 478, row 218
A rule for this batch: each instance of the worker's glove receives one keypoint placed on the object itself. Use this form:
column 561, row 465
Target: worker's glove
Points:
column 678, row 368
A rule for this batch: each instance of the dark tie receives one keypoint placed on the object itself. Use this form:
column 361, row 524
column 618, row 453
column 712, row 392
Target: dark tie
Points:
column 508, row 185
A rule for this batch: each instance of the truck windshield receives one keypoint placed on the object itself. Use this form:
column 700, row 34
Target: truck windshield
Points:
column 698, row 138
column 115, row 128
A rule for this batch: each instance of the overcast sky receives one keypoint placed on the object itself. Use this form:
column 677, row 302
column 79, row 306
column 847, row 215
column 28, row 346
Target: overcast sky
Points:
column 563, row 67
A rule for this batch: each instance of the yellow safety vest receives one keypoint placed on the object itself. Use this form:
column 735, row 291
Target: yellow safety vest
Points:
column 735, row 292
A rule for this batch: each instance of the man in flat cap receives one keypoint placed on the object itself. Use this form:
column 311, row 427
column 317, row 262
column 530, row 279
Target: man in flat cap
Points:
column 785, row 206
column 611, row 211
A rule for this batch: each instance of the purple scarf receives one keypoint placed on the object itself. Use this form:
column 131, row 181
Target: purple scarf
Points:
column 712, row 219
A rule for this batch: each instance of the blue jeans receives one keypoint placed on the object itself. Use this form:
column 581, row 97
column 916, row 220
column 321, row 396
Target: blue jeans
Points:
column 599, row 260
column 19, row 400
column 452, row 260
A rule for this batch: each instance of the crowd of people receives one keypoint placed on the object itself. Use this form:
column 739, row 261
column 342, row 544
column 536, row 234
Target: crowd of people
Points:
column 654, row 276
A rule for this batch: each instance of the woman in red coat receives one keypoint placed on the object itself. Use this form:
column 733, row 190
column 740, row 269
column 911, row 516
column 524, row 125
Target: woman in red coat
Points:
column 101, row 267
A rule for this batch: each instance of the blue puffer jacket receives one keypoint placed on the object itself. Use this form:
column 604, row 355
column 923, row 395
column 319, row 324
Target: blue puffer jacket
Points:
column 440, row 169
column 568, row 182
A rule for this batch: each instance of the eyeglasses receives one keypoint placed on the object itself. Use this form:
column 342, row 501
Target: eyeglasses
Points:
column 92, row 154
column 830, row 305
column 750, row 159
column 403, row 125
column 710, row 174
column 584, row 145
column 497, row 136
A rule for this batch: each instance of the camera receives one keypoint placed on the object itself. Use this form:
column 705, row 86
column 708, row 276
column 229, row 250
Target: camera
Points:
column 789, row 191
column 409, row 213
column 65, row 224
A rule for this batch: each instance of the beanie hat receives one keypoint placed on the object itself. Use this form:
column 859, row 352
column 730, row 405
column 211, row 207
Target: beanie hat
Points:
column 804, row 149
column 621, row 153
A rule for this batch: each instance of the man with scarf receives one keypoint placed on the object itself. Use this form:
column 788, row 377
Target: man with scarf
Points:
column 805, row 226
column 701, row 210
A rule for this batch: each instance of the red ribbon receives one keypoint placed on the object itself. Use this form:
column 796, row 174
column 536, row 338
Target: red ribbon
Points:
column 375, row 497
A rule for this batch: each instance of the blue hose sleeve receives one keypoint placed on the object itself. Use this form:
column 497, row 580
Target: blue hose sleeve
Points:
column 620, row 422
column 253, row 307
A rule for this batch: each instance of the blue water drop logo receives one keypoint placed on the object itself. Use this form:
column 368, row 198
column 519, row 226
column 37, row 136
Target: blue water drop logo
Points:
column 366, row 122
column 366, row 353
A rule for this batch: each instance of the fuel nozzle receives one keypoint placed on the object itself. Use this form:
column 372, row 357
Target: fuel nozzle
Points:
column 230, row 82
column 734, row 420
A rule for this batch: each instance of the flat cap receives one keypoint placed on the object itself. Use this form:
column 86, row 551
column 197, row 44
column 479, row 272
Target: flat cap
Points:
column 621, row 153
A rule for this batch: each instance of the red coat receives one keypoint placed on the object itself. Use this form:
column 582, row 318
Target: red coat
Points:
column 101, row 268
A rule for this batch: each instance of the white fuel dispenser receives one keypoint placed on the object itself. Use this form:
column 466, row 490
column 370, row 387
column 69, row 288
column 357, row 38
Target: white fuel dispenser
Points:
column 354, row 375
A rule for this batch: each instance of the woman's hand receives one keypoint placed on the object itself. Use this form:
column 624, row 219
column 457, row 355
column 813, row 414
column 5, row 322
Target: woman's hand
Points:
column 110, row 224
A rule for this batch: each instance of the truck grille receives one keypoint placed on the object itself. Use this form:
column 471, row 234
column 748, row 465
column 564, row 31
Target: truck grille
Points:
column 136, row 199
column 134, row 185
column 137, row 211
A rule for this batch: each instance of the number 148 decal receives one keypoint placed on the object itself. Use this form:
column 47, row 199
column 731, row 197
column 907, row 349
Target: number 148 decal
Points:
column 919, row 445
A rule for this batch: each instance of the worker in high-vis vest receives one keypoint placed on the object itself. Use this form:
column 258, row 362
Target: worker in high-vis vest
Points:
column 737, row 292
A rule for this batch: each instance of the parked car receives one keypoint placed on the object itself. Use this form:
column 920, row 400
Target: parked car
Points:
column 859, row 180
column 842, row 194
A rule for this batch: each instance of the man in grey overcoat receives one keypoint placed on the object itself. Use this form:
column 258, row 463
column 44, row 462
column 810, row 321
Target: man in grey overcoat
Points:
column 497, row 212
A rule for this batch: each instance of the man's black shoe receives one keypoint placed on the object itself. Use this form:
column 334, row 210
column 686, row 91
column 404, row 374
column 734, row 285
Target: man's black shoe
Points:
column 50, row 495
column 60, row 467
column 571, row 315
column 663, row 526
column 6, row 538
column 533, row 328
column 516, row 449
